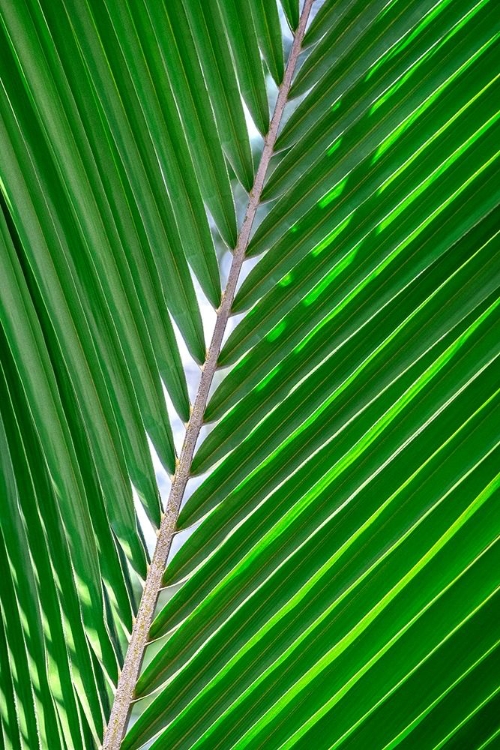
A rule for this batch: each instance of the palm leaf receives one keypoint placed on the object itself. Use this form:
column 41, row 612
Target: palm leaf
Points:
column 334, row 578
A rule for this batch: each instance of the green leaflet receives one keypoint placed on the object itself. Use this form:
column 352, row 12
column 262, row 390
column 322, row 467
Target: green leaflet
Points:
column 327, row 14
column 261, row 318
column 23, row 588
column 323, row 100
column 337, row 418
column 368, row 102
column 362, row 242
column 77, row 186
column 67, row 642
column 472, row 690
column 65, row 314
column 483, row 518
column 244, row 45
column 22, row 675
column 357, row 23
column 141, row 176
column 25, row 341
column 267, row 26
column 291, row 8
column 423, row 464
column 9, row 720
column 324, row 347
column 186, row 80
column 385, row 129
column 215, row 59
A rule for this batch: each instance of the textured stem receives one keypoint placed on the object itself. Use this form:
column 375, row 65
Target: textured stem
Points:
column 139, row 638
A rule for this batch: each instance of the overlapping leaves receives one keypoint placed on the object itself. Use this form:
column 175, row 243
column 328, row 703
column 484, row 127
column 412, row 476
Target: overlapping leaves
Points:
column 340, row 587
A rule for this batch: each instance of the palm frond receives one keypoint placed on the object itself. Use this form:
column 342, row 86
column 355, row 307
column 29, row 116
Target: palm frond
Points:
column 336, row 585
